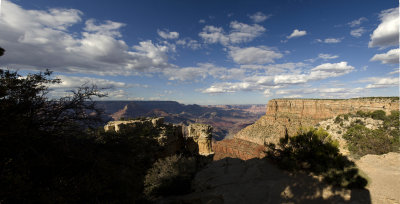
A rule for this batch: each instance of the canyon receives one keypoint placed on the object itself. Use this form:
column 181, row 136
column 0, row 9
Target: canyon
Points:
column 285, row 116
column 226, row 120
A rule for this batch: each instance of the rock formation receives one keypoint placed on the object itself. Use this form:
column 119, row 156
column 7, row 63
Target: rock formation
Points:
column 237, row 148
column 287, row 115
column 170, row 137
column 199, row 137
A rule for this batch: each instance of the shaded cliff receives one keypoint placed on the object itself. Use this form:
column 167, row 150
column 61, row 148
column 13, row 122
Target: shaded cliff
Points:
column 287, row 115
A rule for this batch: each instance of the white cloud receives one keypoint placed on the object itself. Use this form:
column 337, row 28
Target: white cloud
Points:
column 327, row 56
column 202, row 21
column 230, row 87
column 239, row 33
column 254, row 55
column 262, row 82
column 167, row 34
column 201, row 71
column 357, row 22
column 38, row 39
column 357, row 32
column 297, row 33
column 109, row 28
column 259, row 17
column 396, row 71
column 381, row 82
column 327, row 70
column 387, row 32
column 391, row 57
column 75, row 82
column 332, row 40
column 189, row 43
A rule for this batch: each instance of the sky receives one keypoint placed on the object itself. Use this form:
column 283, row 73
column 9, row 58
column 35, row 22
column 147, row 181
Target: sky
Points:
column 207, row 52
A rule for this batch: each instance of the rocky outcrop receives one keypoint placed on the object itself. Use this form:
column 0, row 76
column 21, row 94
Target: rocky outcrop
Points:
column 237, row 148
column 170, row 137
column 199, row 139
column 287, row 115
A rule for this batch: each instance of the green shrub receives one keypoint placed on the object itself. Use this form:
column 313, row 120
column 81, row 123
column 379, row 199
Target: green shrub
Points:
column 360, row 122
column 346, row 117
column 328, row 127
column 339, row 132
column 314, row 151
column 341, row 124
column 378, row 115
column 338, row 119
column 364, row 141
column 170, row 176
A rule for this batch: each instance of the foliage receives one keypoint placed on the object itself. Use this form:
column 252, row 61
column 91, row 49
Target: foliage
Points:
column 377, row 115
column 314, row 151
column 385, row 139
column 338, row 119
column 51, row 151
column 170, row 176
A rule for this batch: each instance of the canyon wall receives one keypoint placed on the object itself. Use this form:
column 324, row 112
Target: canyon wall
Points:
column 285, row 116
column 170, row 137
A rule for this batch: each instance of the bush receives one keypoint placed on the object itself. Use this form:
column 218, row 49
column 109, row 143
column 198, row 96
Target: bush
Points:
column 339, row 132
column 338, row 119
column 328, row 127
column 364, row 141
column 314, row 151
column 346, row 117
column 170, row 176
column 378, row 115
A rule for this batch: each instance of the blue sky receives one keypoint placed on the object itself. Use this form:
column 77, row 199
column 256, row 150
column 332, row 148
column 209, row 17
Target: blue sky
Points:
column 208, row 52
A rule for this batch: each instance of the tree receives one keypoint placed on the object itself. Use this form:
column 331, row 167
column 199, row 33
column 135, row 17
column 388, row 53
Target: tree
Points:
column 1, row 51
column 51, row 150
column 312, row 150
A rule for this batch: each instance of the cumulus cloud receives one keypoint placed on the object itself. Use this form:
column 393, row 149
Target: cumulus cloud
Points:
column 327, row 70
column 254, row 55
column 357, row 22
column 330, row 40
column 259, row 82
column 391, row 57
column 381, row 82
column 259, row 17
column 387, row 32
column 168, row 35
column 239, row 33
column 357, row 32
column 297, row 33
column 37, row 39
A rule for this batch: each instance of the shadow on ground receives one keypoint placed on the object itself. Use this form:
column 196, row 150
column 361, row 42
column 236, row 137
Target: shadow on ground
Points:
column 232, row 180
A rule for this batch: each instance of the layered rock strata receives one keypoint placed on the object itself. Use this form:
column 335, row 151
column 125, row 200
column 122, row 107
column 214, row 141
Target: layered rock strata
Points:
column 199, row 139
column 170, row 137
column 237, row 148
column 287, row 115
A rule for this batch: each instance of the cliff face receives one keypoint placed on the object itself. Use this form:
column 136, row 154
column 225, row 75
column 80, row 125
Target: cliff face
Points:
column 170, row 137
column 287, row 115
